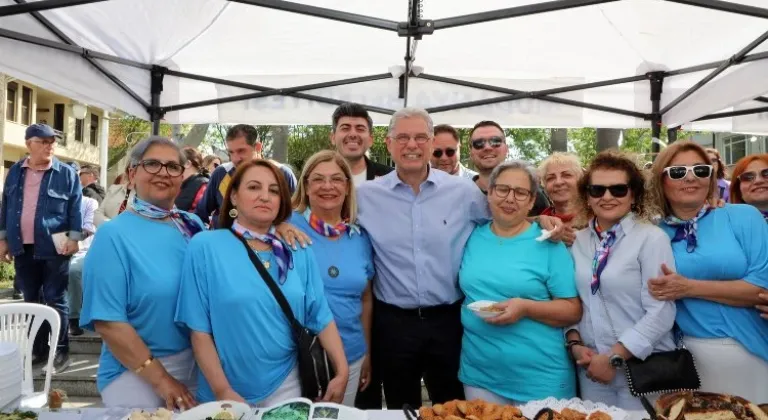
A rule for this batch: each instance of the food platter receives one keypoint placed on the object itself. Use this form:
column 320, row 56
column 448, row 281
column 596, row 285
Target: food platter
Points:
column 548, row 409
column 219, row 410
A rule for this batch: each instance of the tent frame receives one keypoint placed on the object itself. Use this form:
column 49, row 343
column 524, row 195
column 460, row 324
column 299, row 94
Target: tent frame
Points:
column 414, row 28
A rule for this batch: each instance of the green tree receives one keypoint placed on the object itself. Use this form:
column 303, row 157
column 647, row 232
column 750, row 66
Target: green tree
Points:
column 529, row 144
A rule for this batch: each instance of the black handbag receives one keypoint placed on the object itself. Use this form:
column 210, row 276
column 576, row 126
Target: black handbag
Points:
column 662, row 372
column 315, row 369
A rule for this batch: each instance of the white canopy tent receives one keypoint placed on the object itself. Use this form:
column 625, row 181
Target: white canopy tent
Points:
column 524, row 63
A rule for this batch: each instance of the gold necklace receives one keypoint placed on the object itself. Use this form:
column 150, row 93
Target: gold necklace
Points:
column 266, row 263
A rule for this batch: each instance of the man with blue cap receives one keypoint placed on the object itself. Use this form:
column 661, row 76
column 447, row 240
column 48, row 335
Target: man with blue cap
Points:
column 40, row 226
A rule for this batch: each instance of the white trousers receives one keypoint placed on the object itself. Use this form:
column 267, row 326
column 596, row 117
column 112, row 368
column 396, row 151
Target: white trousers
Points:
column 614, row 394
column 726, row 367
column 474, row 393
column 130, row 391
column 291, row 387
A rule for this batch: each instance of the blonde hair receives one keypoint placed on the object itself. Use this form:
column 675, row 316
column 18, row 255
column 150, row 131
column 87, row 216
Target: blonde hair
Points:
column 300, row 199
column 560, row 158
column 656, row 183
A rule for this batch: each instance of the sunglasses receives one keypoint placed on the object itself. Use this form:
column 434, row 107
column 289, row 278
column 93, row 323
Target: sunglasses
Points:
column 751, row 176
column 438, row 153
column 679, row 172
column 617, row 191
column 494, row 142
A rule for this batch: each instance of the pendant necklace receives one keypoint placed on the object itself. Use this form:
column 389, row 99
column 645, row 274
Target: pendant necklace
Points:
column 266, row 263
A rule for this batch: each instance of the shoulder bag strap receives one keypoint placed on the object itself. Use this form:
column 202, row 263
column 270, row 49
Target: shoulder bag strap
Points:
column 273, row 287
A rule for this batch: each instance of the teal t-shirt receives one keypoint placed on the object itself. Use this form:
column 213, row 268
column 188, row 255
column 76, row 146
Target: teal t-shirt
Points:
column 223, row 295
column 732, row 244
column 527, row 360
column 346, row 266
column 131, row 274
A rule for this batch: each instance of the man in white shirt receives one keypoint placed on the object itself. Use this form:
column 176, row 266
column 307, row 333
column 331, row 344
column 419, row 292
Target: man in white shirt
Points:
column 446, row 154
column 352, row 135
column 75, row 291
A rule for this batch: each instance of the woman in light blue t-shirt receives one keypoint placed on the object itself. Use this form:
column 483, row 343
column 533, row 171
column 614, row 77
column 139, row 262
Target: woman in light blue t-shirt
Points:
column 130, row 284
column 722, row 268
column 243, row 342
column 520, row 354
column 325, row 209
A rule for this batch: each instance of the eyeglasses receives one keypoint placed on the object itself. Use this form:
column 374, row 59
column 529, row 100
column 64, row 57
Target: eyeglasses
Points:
column 47, row 141
column 519, row 194
column 438, row 153
column 751, row 176
column 418, row 138
column 494, row 142
column 319, row 181
column 679, row 172
column 617, row 191
column 153, row 166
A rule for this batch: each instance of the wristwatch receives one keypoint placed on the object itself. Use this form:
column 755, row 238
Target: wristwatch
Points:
column 616, row 361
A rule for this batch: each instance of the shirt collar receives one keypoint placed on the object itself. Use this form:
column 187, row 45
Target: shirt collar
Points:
column 627, row 223
column 393, row 180
column 26, row 164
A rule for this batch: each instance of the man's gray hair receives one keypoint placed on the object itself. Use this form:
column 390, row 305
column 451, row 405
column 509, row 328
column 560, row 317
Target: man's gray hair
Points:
column 138, row 152
column 410, row 112
column 521, row 165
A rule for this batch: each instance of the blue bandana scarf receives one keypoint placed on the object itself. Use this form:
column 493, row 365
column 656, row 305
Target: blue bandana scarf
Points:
column 282, row 253
column 187, row 224
column 686, row 229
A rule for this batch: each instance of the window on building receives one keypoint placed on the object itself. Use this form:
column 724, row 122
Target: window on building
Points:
column 26, row 105
column 58, row 117
column 735, row 148
column 10, row 101
column 94, row 129
column 79, row 129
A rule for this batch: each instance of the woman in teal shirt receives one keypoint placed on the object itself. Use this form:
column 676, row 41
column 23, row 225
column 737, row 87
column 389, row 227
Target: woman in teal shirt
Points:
column 518, row 355
column 253, row 357
column 325, row 209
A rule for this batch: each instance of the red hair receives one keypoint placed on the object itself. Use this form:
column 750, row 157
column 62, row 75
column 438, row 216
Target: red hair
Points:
column 740, row 168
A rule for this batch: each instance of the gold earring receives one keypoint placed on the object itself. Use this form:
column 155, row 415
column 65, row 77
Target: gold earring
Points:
column 233, row 213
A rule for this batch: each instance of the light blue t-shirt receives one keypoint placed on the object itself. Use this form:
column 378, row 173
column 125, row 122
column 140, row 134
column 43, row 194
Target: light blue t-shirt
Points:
column 527, row 360
column 351, row 259
column 131, row 274
column 732, row 244
column 223, row 295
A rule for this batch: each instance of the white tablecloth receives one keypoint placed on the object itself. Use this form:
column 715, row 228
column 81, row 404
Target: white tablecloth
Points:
column 120, row 413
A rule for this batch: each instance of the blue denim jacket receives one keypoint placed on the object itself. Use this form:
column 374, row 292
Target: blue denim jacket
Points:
column 58, row 208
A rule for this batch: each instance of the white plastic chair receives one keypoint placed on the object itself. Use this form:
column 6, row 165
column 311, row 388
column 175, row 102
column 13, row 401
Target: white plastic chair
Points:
column 20, row 323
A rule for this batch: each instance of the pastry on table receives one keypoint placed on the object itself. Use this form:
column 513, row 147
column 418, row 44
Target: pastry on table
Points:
column 694, row 405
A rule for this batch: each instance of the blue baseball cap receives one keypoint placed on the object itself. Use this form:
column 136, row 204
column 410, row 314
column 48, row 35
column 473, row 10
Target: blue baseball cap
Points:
column 40, row 130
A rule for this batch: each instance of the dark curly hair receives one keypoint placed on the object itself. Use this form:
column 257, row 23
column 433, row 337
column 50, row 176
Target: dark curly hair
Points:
column 618, row 161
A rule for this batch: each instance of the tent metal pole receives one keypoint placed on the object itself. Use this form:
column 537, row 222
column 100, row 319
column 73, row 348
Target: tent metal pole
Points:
column 739, row 113
column 274, row 92
column 657, row 85
column 21, row 8
column 672, row 135
column 305, row 96
column 762, row 99
column 735, row 59
column 541, row 95
column 156, row 88
column 321, row 12
column 714, row 64
column 726, row 6
column 513, row 12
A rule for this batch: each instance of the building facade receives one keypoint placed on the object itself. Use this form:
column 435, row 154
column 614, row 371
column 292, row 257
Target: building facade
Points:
column 24, row 104
column 733, row 146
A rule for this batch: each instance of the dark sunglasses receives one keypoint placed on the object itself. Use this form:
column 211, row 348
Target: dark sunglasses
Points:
column 679, row 172
column 751, row 176
column 494, row 142
column 438, row 153
column 617, row 191
column 154, row 167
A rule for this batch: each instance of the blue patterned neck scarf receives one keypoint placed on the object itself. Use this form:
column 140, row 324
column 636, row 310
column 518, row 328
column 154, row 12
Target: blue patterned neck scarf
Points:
column 765, row 215
column 282, row 253
column 686, row 229
column 326, row 229
column 187, row 224
column 607, row 239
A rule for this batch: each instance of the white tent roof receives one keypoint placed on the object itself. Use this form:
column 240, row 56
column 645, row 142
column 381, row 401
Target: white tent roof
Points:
column 258, row 45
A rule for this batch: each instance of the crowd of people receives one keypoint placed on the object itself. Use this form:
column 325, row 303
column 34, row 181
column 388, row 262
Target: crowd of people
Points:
column 382, row 264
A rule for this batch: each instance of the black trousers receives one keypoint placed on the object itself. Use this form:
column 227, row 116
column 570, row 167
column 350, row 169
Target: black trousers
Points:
column 412, row 344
